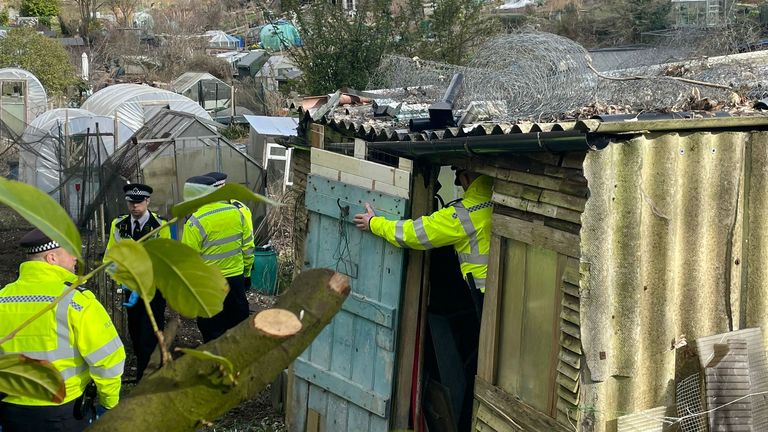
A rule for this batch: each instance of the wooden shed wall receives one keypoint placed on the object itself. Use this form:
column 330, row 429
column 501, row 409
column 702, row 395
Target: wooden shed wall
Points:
column 525, row 383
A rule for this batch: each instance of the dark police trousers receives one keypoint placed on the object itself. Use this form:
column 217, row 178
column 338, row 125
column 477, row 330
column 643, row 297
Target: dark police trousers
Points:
column 25, row 418
column 140, row 328
column 235, row 310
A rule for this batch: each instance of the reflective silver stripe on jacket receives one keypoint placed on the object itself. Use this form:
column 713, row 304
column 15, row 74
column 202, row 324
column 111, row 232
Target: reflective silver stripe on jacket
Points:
column 219, row 256
column 110, row 372
column 399, row 236
column 462, row 214
column 480, row 283
column 221, row 241
column 106, row 350
column 195, row 220
column 63, row 348
column 421, row 234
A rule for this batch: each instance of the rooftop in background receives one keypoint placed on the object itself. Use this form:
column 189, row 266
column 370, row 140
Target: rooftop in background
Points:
column 273, row 126
column 188, row 79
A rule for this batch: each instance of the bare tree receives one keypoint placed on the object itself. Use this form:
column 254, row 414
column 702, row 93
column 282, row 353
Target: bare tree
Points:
column 123, row 10
column 87, row 9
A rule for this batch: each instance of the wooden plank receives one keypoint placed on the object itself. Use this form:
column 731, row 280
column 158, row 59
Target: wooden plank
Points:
column 320, row 170
column 537, row 234
column 370, row 309
column 568, row 370
column 571, row 316
column 317, row 135
column 517, row 190
column 536, row 207
column 415, row 273
column 391, row 190
column 490, row 320
column 343, row 332
column 337, row 414
column 560, row 199
column 570, row 329
column 299, row 398
column 571, row 302
column 570, row 343
column 571, row 290
column 326, row 192
column 528, row 418
column 573, row 160
column 342, row 387
column 510, row 325
column 361, row 149
column 313, row 421
column 360, row 420
column 569, row 384
column 493, row 421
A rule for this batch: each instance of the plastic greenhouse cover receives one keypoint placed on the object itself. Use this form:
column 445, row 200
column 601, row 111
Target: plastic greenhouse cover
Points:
column 40, row 155
column 37, row 98
column 128, row 102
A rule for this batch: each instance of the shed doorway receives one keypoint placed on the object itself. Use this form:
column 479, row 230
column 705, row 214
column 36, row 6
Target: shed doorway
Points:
column 451, row 339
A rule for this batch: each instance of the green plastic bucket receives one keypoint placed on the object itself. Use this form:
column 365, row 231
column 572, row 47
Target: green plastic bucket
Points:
column 264, row 273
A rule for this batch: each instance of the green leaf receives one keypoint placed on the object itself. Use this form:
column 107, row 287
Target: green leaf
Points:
column 134, row 267
column 43, row 212
column 207, row 355
column 23, row 376
column 226, row 192
column 191, row 287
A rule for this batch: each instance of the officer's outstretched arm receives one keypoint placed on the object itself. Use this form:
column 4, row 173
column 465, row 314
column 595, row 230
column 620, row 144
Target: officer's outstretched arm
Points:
column 427, row 232
column 97, row 341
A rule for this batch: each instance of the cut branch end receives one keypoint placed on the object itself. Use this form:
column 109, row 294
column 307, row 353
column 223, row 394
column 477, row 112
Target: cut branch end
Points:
column 339, row 283
column 277, row 322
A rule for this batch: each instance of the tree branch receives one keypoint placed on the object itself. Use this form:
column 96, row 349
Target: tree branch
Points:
column 191, row 390
column 642, row 77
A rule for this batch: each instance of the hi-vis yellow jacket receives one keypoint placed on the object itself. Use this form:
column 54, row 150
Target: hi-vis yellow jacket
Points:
column 76, row 336
column 466, row 226
column 248, row 216
column 218, row 231
column 121, row 228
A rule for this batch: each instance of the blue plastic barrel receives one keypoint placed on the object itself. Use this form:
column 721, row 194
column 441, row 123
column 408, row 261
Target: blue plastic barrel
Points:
column 264, row 273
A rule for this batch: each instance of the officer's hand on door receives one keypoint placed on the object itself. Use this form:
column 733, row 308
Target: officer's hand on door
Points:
column 363, row 220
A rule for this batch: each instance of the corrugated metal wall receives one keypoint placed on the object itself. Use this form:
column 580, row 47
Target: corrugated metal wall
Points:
column 674, row 243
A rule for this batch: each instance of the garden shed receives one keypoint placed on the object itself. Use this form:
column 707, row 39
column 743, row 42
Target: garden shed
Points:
column 627, row 264
column 208, row 91
column 134, row 104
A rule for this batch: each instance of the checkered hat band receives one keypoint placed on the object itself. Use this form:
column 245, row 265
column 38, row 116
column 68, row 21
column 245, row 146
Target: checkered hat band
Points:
column 43, row 247
column 219, row 183
column 138, row 192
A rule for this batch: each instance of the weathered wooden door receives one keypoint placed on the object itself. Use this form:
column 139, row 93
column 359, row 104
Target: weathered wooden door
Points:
column 343, row 381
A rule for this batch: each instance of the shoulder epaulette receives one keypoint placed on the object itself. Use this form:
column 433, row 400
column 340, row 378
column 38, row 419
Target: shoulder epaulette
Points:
column 237, row 204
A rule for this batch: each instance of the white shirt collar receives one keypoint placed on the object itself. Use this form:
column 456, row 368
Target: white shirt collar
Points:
column 142, row 220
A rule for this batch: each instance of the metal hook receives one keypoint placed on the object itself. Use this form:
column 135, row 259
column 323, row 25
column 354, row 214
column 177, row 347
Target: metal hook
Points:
column 344, row 211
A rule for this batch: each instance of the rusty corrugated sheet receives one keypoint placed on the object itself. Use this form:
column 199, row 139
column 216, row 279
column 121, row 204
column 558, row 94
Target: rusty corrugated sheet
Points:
column 664, row 240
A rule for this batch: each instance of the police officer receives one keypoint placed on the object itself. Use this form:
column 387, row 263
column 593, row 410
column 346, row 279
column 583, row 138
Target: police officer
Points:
column 465, row 225
column 221, row 180
column 136, row 224
column 77, row 337
column 218, row 231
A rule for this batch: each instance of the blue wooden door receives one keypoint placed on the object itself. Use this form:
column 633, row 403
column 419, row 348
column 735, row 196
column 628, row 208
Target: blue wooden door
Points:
column 343, row 381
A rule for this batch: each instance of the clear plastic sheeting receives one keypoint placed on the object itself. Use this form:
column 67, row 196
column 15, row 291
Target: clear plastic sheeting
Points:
column 205, row 89
column 22, row 98
column 135, row 104
column 60, row 150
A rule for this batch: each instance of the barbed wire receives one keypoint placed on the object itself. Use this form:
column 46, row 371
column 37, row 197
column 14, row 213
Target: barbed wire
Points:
column 535, row 74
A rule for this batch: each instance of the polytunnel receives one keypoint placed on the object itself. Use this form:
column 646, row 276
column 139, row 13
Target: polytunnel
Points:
column 135, row 104
column 22, row 98
column 62, row 151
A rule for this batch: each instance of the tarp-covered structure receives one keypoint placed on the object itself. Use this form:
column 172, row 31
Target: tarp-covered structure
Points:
column 22, row 98
column 174, row 146
column 208, row 91
column 134, row 104
column 61, row 153
column 279, row 35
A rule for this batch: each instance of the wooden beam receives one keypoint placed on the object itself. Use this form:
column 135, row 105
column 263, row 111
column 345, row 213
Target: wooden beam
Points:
column 516, row 414
column 535, row 206
column 416, row 277
column 538, row 234
column 490, row 321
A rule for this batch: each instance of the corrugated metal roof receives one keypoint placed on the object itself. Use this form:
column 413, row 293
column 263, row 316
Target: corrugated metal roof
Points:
column 674, row 242
column 376, row 130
